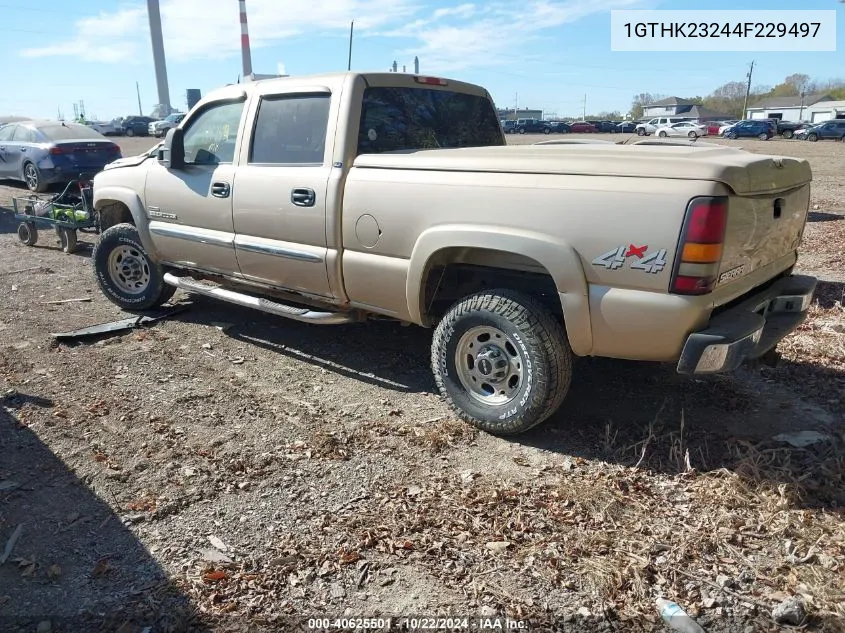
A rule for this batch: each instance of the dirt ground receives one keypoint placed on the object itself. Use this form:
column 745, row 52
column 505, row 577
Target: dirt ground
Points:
column 228, row 470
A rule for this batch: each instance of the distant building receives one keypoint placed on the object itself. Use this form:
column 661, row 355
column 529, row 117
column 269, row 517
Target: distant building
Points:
column 670, row 106
column 509, row 114
column 825, row 111
column 193, row 96
column 673, row 106
column 786, row 108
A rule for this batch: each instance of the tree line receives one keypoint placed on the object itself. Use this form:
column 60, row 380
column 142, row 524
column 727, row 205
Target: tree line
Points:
column 730, row 97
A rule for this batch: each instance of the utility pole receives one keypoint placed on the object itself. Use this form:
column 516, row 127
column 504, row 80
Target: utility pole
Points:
column 138, row 90
column 747, row 91
column 584, row 112
column 351, row 27
column 801, row 113
column 516, row 106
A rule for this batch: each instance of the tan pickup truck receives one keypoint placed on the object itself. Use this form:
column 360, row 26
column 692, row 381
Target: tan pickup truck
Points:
column 331, row 198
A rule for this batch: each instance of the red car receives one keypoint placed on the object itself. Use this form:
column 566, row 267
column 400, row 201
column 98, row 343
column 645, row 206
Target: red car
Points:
column 582, row 127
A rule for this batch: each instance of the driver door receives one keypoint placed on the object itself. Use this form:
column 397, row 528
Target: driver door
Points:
column 190, row 209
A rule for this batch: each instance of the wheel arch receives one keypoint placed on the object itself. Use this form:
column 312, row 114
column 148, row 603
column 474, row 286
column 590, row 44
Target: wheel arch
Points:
column 524, row 257
column 117, row 205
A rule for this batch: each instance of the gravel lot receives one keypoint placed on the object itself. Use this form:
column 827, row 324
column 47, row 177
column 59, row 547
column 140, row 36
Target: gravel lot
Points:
column 225, row 469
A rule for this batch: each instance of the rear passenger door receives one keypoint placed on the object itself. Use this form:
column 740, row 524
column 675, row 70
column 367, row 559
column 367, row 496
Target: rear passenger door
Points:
column 279, row 205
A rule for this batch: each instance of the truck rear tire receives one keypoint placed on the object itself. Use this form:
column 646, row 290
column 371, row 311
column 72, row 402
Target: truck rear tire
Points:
column 501, row 361
column 788, row 134
column 125, row 273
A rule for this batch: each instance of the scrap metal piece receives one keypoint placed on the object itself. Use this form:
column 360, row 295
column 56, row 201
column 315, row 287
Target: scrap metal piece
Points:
column 116, row 326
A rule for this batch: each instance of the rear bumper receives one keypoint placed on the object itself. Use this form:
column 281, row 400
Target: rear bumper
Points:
column 749, row 329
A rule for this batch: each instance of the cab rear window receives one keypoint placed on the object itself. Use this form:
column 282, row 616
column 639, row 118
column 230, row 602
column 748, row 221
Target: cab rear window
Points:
column 395, row 119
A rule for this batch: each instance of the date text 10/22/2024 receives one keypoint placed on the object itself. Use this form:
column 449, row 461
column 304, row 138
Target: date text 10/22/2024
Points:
column 419, row 623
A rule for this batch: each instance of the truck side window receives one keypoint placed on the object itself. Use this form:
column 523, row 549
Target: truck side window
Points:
column 291, row 130
column 210, row 138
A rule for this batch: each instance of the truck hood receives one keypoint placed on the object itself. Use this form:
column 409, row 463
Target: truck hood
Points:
column 743, row 172
column 128, row 161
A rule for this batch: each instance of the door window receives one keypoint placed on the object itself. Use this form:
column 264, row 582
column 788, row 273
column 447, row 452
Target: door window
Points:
column 6, row 132
column 210, row 137
column 291, row 130
column 23, row 135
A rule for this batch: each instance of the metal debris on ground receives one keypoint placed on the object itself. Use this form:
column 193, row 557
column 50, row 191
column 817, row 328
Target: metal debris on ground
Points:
column 10, row 544
column 117, row 326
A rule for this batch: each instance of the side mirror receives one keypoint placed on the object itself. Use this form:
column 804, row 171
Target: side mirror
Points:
column 172, row 152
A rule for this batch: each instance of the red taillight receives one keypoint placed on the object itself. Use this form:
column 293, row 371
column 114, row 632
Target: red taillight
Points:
column 431, row 81
column 114, row 149
column 700, row 247
column 56, row 151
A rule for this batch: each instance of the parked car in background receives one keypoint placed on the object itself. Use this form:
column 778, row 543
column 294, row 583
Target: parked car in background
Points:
column 713, row 127
column 532, row 126
column 726, row 124
column 559, row 127
column 650, row 127
column 508, row 126
column 159, row 128
column 684, row 128
column 833, row 129
column 40, row 153
column 106, row 128
column 136, row 125
column 626, row 127
column 759, row 128
column 580, row 127
column 786, row 129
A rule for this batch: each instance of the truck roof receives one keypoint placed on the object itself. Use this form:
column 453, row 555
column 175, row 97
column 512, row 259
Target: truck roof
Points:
column 334, row 80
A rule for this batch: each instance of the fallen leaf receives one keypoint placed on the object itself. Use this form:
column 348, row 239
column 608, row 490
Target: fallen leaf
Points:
column 54, row 572
column 214, row 576
column 350, row 557
column 101, row 568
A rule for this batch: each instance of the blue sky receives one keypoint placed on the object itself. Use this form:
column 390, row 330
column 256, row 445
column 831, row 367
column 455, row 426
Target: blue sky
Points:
column 548, row 52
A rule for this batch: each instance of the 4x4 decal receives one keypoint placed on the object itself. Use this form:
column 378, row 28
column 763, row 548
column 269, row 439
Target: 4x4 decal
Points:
column 652, row 263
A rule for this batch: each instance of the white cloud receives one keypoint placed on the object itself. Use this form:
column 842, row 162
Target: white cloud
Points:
column 449, row 38
column 210, row 29
column 90, row 44
column 497, row 38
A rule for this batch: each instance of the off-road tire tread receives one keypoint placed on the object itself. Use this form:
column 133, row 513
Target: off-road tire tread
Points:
column 161, row 292
column 540, row 329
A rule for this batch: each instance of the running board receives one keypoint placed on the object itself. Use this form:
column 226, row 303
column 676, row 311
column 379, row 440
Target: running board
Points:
column 265, row 305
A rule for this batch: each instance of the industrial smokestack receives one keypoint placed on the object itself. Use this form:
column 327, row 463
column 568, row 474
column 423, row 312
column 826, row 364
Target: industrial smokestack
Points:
column 245, row 54
column 158, row 54
column 416, row 65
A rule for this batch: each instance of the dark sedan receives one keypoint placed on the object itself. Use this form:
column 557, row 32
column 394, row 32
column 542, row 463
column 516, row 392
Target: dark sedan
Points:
column 559, row 127
column 626, row 127
column 759, row 128
column 40, row 153
column 136, row 125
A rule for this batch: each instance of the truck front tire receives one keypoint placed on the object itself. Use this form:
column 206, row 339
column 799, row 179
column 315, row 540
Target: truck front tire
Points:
column 501, row 361
column 125, row 273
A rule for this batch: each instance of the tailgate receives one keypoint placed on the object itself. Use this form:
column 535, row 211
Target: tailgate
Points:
column 767, row 211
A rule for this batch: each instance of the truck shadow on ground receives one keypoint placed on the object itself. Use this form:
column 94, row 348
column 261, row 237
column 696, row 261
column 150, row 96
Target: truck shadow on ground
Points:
column 74, row 562
column 610, row 411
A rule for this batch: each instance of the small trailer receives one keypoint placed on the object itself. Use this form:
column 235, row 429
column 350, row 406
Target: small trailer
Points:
column 69, row 212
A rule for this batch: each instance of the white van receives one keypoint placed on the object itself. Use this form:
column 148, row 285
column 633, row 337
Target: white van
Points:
column 644, row 129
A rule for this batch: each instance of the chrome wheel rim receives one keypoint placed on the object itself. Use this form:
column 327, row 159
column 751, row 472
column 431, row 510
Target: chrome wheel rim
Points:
column 489, row 365
column 129, row 269
column 30, row 174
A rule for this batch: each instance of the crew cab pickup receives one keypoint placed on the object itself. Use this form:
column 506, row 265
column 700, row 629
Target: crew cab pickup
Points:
column 334, row 198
